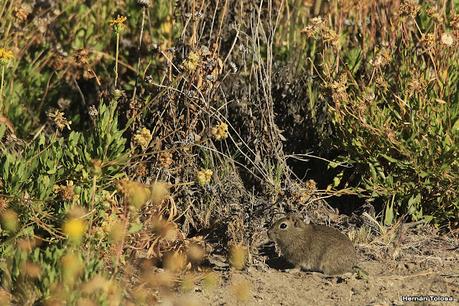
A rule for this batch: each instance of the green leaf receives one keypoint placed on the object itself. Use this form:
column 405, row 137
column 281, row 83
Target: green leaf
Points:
column 354, row 59
column 373, row 171
column 455, row 127
column 2, row 130
column 389, row 212
column 332, row 164
column 387, row 157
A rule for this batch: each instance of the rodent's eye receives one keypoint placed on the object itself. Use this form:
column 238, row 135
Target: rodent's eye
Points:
column 283, row 225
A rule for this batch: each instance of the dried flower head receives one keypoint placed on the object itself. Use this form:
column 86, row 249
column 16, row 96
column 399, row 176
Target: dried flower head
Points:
column 317, row 21
column 210, row 280
column 311, row 185
column 187, row 284
column 192, row 62
column 162, row 280
column 165, row 159
column 31, row 269
column 118, row 23
column 143, row 3
column 382, row 84
column 339, row 90
column 409, row 8
column 330, row 36
column 117, row 231
column 135, row 193
column 64, row 103
column 96, row 166
column 72, row 267
column 203, row 176
column 447, row 39
column 434, row 14
column 195, row 253
column 382, row 58
column 93, row 112
column 21, row 13
column 241, row 289
column 66, row 192
column 3, row 202
column 9, row 220
column 416, row 85
column 175, row 262
column 238, row 256
column 26, row 245
column 143, row 137
column 220, row 131
column 159, row 192
column 77, row 212
column 428, row 42
column 165, row 229
column 314, row 28
column 5, row 297
column 310, row 31
column 59, row 119
column 141, row 170
column 98, row 282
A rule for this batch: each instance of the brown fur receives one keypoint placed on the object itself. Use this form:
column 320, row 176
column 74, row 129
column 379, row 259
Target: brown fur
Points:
column 314, row 247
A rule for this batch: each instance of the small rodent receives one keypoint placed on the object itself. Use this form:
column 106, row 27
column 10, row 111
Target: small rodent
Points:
column 313, row 247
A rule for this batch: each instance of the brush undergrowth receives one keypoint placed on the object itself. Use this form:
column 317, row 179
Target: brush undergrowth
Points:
column 132, row 129
column 392, row 98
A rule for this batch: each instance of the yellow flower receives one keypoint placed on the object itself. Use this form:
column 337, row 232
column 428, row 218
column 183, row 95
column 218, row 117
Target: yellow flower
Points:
column 5, row 55
column 203, row 176
column 220, row 131
column 74, row 228
column 143, row 137
column 118, row 20
column 192, row 62
column 118, row 23
column 166, row 26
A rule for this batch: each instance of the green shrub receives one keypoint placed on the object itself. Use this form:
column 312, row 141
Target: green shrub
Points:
column 394, row 103
column 44, row 181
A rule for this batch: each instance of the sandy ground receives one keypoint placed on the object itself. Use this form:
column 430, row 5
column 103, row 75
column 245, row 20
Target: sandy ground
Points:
column 385, row 285
column 425, row 265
